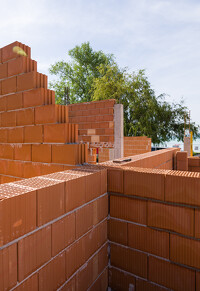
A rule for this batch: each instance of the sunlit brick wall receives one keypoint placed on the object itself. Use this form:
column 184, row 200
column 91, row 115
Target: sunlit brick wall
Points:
column 35, row 134
column 53, row 232
column 154, row 229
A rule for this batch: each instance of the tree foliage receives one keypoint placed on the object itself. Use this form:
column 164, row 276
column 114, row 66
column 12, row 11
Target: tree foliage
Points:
column 78, row 74
column 94, row 75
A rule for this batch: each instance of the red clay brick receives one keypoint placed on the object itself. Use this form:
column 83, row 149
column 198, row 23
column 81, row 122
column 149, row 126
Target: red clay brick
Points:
column 148, row 240
column 31, row 284
column 65, row 154
column 197, row 280
column 128, row 209
column 52, row 276
column 3, row 166
column 22, row 152
column 50, row 203
column 100, row 209
column 8, row 119
column 182, row 189
column 46, row 114
column 101, row 284
column 51, row 168
column 26, row 81
column 144, row 184
column 84, row 277
column 115, row 180
column 34, row 97
column 142, row 285
column 193, row 161
column 16, row 135
column 15, row 168
column 181, row 156
column 74, row 257
column 95, row 239
column 17, row 66
column 75, row 193
column 41, row 153
column 129, row 260
column 84, row 219
column 33, row 134
column 25, row 117
column 8, row 267
column 170, row 275
column 118, row 231
column 9, row 85
column 185, row 251
column 63, row 233
column 7, row 179
column 8, row 54
column 6, row 151
column 56, row 133
column 33, row 251
column 2, row 101
column 3, row 135
column 197, row 223
column 182, row 165
column 103, row 181
column 118, row 280
column 90, row 271
column 175, row 218
column 32, row 169
column 14, row 101
column 93, row 186
column 23, row 214
column 70, row 286
column 3, row 71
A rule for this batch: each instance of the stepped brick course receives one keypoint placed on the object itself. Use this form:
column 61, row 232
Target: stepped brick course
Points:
column 35, row 134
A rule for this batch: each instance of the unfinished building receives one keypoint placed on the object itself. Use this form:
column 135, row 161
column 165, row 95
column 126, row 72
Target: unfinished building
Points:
column 69, row 225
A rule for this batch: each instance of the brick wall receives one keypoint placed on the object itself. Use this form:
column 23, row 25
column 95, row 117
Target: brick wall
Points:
column 36, row 136
column 162, row 159
column 153, row 229
column 135, row 145
column 53, row 232
column 95, row 121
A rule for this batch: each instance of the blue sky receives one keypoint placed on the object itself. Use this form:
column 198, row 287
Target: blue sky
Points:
column 160, row 36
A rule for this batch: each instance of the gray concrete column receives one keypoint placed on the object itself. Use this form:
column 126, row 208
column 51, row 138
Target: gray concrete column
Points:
column 118, row 131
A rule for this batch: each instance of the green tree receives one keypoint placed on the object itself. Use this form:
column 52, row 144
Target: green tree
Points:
column 78, row 74
column 144, row 113
column 93, row 75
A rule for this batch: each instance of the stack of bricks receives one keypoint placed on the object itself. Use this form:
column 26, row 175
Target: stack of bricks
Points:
column 182, row 161
column 53, row 232
column 36, row 137
column 154, row 229
column 136, row 145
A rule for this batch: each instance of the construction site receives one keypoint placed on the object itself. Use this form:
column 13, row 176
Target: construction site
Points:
column 81, row 206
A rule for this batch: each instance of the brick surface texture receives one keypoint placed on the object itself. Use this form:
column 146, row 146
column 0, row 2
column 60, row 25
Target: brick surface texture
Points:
column 130, row 225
